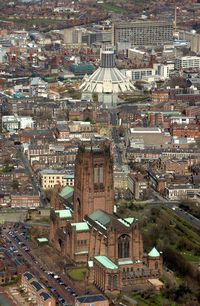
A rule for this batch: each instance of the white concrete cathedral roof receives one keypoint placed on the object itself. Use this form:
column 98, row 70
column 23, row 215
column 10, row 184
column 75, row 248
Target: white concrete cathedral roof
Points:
column 106, row 80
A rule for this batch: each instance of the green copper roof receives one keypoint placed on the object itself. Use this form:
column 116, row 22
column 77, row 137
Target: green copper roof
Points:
column 81, row 253
column 81, row 226
column 125, row 262
column 126, row 221
column 64, row 213
column 100, row 216
column 154, row 253
column 106, row 262
column 43, row 239
column 66, row 192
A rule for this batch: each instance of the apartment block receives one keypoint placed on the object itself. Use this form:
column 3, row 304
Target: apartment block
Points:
column 143, row 33
column 73, row 36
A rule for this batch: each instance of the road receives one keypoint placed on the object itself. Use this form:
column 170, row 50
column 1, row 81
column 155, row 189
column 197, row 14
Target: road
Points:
column 193, row 221
column 37, row 268
column 116, row 139
column 30, row 173
column 174, row 207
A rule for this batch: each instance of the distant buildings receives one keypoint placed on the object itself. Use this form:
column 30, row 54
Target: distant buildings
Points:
column 143, row 33
column 73, row 36
column 157, row 72
column 193, row 38
column 38, row 88
column 14, row 122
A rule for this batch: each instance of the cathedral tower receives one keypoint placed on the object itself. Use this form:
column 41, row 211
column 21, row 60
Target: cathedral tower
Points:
column 93, row 179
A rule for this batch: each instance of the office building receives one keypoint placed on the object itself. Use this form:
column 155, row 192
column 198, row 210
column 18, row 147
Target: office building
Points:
column 187, row 62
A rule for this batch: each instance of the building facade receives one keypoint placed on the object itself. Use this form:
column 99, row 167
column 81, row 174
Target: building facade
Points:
column 50, row 177
column 137, row 185
column 143, row 33
column 88, row 232
column 186, row 62
column 25, row 200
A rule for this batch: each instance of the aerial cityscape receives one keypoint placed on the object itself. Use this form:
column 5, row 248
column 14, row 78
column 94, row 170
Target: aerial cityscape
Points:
column 99, row 153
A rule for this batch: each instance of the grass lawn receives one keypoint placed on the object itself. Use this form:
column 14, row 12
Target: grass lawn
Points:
column 111, row 8
column 190, row 257
column 77, row 274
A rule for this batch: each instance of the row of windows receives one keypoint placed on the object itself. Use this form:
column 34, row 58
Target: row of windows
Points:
column 52, row 185
column 81, row 242
column 57, row 179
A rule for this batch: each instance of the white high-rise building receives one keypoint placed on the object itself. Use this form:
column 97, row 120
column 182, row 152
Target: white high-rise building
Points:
column 186, row 62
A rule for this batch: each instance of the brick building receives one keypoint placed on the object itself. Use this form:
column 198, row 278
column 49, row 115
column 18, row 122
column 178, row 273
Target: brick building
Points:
column 157, row 181
column 25, row 200
column 89, row 233
column 36, row 291
column 137, row 185
column 189, row 130
column 158, row 96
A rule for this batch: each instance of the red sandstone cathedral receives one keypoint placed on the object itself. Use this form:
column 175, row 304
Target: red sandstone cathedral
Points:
column 87, row 231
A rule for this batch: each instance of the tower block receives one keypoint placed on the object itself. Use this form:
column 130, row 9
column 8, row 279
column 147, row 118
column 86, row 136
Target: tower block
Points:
column 94, row 188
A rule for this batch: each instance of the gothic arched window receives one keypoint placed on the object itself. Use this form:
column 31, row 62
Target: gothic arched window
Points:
column 123, row 246
column 79, row 207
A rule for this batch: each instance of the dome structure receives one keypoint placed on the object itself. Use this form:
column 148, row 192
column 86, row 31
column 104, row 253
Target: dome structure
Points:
column 107, row 81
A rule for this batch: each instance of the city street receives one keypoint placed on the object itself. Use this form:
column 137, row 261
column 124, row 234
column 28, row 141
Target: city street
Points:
column 32, row 178
column 39, row 269
column 195, row 222
column 116, row 140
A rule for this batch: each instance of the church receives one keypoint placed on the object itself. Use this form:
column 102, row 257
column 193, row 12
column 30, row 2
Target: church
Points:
column 88, row 232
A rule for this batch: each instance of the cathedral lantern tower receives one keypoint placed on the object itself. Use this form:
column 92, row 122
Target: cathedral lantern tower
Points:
column 94, row 187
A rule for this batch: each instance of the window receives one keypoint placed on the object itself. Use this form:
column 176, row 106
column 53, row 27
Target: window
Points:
column 113, row 281
column 98, row 174
column 123, row 246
